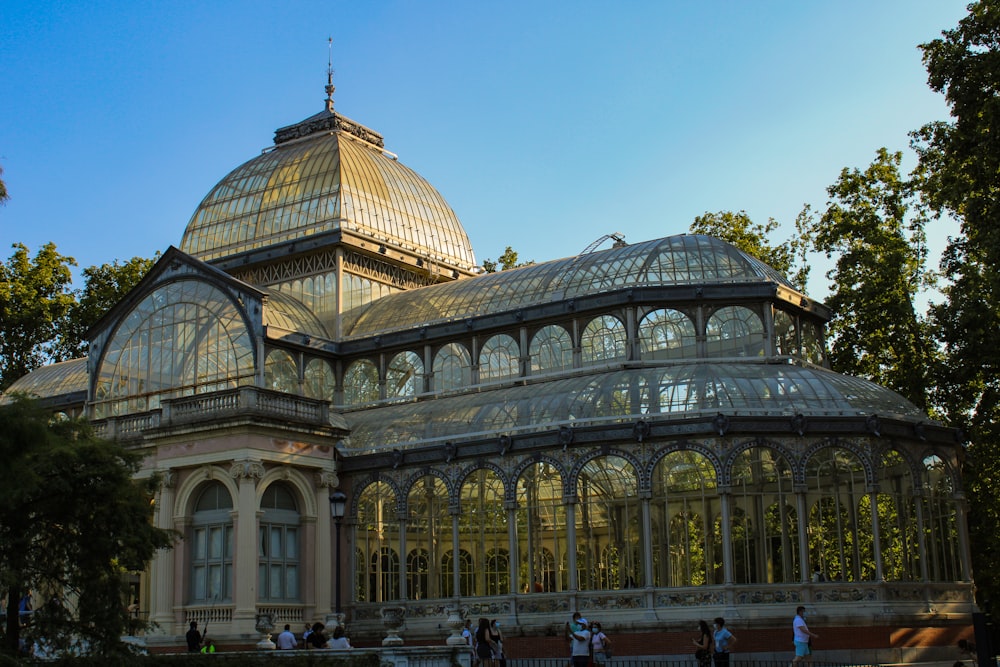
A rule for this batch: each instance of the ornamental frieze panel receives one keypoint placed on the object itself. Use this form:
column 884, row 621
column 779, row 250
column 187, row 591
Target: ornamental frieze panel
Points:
column 768, row 596
column 689, row 598
column 847, row 594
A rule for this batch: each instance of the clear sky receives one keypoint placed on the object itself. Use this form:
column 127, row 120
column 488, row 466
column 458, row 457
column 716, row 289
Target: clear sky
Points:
column 545, row 124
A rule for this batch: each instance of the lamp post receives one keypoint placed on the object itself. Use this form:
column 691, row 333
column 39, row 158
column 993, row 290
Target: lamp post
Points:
column 338, row 504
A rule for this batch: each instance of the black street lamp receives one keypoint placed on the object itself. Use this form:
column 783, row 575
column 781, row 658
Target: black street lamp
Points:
column 338, row 505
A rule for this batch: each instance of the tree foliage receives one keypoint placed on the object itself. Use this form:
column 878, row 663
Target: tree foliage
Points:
column 4, row 196
column 874, row 228
column 959, row 162
column 754, row 239
column 73, row 520
column 104, row 286
column 508, row 260
column 34, row 300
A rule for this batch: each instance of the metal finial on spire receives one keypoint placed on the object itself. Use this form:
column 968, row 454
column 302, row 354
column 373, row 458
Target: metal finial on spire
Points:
column 329, row 78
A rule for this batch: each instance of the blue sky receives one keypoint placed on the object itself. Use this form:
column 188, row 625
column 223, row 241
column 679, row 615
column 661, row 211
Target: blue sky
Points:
column 544, row 124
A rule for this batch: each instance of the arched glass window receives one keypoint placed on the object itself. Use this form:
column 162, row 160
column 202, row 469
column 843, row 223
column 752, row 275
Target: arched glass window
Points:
column 667, row 334
column 683, row 507
column 183, row 338
column 897, row 520
column 498, row 359
column 466, row 580
column 497, row 572
column 429, row 526
column 734, row 331
column 840, row 520
column 212, row 546
column 377, row 535
column 278, row 545
column 608, row 518
column 551, row 349
column 482, row 527
column 361, row 383
column 405, row 376
column 452, row 367
column 785, row 335
column 541, row 527
column 418, row 567
column 940, row 524
column 603, row 340
column 280, row 372
column 764, row 525
column 319, row 380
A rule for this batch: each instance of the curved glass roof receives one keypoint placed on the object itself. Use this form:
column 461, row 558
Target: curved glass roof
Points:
column 286, row 312
column 56, row 379
column 679, row 391
column 322, row 183
column 675, row 260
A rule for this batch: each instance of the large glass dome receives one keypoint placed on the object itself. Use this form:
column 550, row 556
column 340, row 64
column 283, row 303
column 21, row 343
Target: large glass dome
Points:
column 320, row 182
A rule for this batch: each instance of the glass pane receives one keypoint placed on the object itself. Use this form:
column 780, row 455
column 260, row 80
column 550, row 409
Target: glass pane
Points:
column 215, row 543
column 291, row 544
column 274, row 592
column 291, row 582
column 276, row 551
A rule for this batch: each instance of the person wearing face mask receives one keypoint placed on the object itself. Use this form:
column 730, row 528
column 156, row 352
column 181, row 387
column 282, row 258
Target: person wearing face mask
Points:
column 724, row 643
column 802, row 636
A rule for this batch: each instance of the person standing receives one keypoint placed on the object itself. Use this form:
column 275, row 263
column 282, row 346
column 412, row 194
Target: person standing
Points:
column 286, row 640
column 485, row 646
column 724, row 641
column 580, row 644
column 501, row 659
column 339, row 639
column 193, row 638
column 801, row 636
column 601, row 643
column 470, row 639
column 703, row 654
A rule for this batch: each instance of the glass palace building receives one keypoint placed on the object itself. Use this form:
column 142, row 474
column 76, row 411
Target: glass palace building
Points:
column 648, row 433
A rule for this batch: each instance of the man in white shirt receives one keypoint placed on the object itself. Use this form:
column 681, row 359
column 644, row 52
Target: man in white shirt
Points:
column 580, row 643
column 802, row 634
column 286, row 640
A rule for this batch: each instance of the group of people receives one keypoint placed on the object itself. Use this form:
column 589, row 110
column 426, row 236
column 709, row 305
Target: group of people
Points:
column 198, row 643
column 715, row 643
column 588, row 643
column 485, row 643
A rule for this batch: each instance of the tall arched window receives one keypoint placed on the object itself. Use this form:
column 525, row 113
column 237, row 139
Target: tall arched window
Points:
column 319, row 380
column 608, row 523
column 377, row 535
column 482, row 527
column 499, row 359
column 361, row 383
column 897, row 520
column 418, row 568
column 764, row 526
column 278, row 545
column 404, row 376
column 280, row 372
column 840, row 519
column 786, row 339
column 667, row 334
column 940, row 524
column 541, row 527
column 683, row 507
column 212, row 546
column 429, row 526
column 734, row 331
column 466, row 579
column 603, row 340
column 551, row 349
column 183, row 338
column 452, row 367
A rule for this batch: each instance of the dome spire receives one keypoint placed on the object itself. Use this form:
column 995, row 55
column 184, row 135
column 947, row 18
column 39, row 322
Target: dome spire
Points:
column 329, row 79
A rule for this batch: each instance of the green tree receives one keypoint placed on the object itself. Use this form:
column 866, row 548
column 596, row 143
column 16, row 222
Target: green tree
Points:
column 959, row 162
column 508, row 260
column 73, row 520
column 34, row 300
column 4, row 196
column 876, row 231
column 104, row 286
column 753, row 239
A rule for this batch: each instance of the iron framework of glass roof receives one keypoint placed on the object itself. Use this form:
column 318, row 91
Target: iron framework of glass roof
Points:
column 57, row 379
column 674, row 260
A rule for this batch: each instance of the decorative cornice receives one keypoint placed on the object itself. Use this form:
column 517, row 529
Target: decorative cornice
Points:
column 328, row 121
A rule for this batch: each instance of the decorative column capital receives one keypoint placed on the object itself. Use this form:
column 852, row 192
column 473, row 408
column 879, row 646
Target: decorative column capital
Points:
column 247, row 469
column 327, row 479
